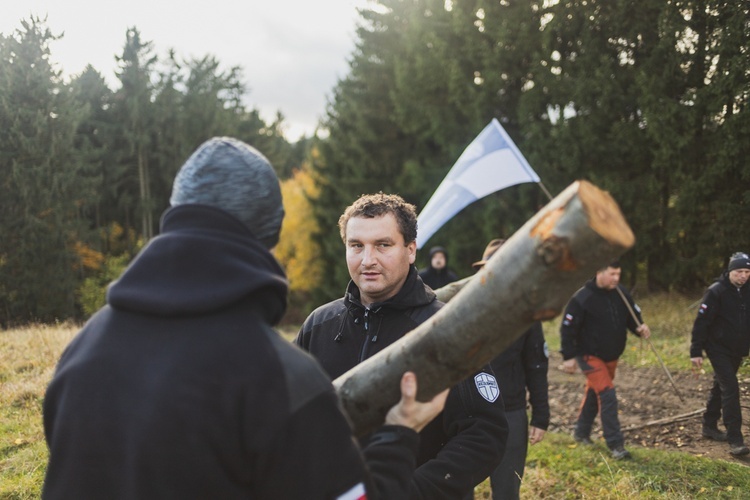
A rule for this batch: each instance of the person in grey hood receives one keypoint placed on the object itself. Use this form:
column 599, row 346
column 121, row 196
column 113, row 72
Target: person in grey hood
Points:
column 180, row 388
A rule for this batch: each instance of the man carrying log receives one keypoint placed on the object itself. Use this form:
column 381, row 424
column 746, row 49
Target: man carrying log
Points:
column 384, row 301
column 722, row 329
column 594, row 333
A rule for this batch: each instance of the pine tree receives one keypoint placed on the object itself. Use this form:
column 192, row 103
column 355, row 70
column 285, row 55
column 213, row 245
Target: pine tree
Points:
column 39, row 191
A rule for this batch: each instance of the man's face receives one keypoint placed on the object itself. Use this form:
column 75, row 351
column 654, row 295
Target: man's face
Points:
column 377, row 257
column 739, row 277
column 608, row 278
column 438, row 260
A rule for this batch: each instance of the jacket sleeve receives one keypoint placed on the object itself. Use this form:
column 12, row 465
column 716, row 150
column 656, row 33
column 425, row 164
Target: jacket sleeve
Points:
column 477, row 431
column 535, row 362
column 315, row 457
column 570, row 329
column 702, row 324
column 391, row 456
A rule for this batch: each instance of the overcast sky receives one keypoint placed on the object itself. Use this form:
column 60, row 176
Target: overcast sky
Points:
column 292, row 51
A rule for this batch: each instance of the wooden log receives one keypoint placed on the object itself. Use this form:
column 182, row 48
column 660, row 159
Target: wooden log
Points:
column 530, row 278
column 446, row 293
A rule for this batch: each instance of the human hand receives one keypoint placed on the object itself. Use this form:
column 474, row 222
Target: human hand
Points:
column 535, row 434
column 411, row 413
column 697, row 362
column 644, row 331
column 569, row 365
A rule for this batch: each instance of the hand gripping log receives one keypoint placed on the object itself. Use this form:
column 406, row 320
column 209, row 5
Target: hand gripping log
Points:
column 530, row 278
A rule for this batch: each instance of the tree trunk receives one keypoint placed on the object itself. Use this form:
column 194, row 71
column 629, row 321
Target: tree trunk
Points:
column 530, row 278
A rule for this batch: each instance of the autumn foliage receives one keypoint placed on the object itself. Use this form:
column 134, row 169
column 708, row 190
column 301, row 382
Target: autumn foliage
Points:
column 296, row 251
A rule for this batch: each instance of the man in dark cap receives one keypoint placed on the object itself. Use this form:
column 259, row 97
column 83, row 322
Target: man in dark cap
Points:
column 180, row 388
column 437, row 274
column 722, row 330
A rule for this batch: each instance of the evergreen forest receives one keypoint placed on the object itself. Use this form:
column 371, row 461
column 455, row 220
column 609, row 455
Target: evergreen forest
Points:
column 647, row 100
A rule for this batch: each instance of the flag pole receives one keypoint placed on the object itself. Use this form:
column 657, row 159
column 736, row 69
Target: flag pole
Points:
column 541, row 185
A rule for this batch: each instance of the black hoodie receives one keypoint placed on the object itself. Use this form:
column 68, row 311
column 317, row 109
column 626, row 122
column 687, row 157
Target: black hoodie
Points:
column 437, row 278
column 464, row 444
column 596, row 322
column 180, row 388
column 723, row 321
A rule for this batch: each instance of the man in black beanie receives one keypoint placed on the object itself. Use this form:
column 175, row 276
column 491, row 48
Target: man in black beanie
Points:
column 180, row 388
column 722, row 329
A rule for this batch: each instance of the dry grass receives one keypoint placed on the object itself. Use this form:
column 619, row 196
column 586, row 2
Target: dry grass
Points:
column 27, row 360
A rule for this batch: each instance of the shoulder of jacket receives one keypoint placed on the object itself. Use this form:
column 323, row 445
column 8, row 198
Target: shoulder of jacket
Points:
column 325, row 313
column 717, row 287
column 304, row 378
column 582, row 295
column 420, row 314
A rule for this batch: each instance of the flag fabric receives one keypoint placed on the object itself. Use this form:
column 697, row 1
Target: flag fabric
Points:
column 490, row 163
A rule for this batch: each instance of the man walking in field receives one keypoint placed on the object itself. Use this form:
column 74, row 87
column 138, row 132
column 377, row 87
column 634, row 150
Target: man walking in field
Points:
column 594, row 333
column 385, row 300
column 722, row 330
column 180, row 388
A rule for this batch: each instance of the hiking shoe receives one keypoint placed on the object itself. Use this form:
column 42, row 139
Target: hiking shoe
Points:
column 583, row 440
column 714, row 433
column 738, row 450
column 620, row 453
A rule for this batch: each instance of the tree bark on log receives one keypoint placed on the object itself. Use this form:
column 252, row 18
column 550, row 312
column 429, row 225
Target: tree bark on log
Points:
column 447, row 292
column 530, row 278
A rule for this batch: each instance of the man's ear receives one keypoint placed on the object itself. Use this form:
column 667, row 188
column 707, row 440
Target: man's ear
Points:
column 412, row 249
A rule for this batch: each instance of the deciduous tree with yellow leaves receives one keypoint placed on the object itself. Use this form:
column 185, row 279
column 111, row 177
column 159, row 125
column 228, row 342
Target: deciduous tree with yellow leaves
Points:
column 296, row 251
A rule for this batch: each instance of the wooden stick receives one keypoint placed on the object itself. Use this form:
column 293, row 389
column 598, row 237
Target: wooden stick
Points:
column 637, row 322
column 667, row 420
column 530, row 278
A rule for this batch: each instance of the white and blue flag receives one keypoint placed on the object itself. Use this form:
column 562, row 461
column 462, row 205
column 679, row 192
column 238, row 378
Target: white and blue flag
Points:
column 490, row 163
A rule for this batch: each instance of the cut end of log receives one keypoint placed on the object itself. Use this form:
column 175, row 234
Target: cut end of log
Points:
column 605, row 217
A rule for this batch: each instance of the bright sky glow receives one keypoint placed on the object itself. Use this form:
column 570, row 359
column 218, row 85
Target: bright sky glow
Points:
column 292, row 52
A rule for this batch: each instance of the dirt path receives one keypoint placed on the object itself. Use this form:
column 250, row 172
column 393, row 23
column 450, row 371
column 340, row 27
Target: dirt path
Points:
column 645, row 394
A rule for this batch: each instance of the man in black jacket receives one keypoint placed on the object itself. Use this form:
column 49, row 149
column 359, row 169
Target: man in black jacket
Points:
column 384, row 300
column 437, row 274
column 523, row 365
column 722, row 329
column 594, row 333
column 180, row 388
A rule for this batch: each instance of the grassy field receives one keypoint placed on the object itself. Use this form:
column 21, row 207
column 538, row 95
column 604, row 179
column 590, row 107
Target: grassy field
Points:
column 557, row 468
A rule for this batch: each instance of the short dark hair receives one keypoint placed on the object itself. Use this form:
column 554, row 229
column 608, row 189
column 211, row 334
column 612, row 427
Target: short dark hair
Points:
column 370, row 206
column 614, row 264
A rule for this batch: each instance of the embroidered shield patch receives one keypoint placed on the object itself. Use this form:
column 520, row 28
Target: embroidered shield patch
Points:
column 487, row 386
